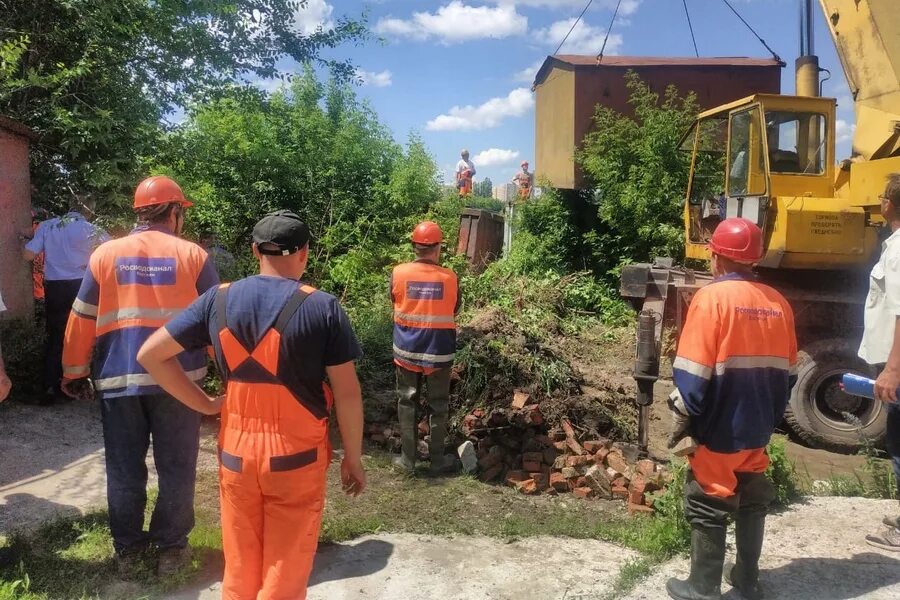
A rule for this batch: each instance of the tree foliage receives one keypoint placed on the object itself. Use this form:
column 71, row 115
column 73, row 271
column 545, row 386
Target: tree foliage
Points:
column 315, row 149
column 95, row 78
column 640, row 176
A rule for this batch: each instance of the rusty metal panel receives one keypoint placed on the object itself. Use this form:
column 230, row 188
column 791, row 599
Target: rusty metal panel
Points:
column 480, row 237
column 15, row 206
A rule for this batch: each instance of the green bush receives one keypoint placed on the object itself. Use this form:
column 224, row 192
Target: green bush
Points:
column 782, row 473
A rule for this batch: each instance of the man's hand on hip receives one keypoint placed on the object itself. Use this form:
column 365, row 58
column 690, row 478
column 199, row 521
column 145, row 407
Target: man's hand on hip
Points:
column 886, row 385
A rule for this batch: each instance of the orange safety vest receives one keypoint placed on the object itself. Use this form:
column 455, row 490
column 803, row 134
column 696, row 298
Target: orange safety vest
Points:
column 425, row 300
column 465, row 183
column 274, row 453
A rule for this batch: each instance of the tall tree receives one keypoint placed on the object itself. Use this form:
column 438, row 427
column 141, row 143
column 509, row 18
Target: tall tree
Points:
column 95, row 78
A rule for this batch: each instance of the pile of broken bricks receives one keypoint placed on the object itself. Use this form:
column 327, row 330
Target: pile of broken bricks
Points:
column 515, row 446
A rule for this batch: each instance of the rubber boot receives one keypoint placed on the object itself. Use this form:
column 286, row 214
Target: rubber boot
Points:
column 407, row 459
column 440, row 463
column 743, row 575
column 707, row 558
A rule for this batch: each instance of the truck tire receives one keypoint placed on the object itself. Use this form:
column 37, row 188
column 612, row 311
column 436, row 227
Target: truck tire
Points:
column 815, row 411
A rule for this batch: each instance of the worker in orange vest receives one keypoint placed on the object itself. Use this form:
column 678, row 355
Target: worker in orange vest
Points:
column 132, row 286
column 426, row 299
column 735, row 365
column 276, row 341
column 465, row 171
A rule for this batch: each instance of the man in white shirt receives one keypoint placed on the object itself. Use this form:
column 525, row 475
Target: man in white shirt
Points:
column 5, row 383
column 880, row 345
column 465, row 171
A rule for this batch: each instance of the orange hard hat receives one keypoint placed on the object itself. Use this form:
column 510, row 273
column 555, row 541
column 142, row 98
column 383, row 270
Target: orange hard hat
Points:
column 738, row 239
column 159, row 190
column 427, row 233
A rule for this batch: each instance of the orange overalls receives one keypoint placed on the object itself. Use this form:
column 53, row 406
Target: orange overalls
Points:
column 274, row 453
column 465, row 183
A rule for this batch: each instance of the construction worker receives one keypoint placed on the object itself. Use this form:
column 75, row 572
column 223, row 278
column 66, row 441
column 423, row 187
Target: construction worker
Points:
column 133, row 286
column 524, row 182
column 880, row 345
column 733, row 372
column 465, row 171
column 276, row 340
column 426, row 299
column 5, row 382
column 66, row 244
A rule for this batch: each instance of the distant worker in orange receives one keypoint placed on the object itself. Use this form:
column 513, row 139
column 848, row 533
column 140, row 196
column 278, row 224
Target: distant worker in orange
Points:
column 465, row 171
column 276, row 341
column 524, row 181
column 426, row 299
column 733, row 372
column 133, row 286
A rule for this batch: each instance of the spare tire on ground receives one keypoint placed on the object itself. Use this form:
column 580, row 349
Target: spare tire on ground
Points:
column 816, row 412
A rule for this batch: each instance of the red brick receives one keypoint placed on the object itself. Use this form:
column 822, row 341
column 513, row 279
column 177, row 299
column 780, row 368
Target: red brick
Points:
column 635, row 497
column 581, row 482
column 619, row 481
column 574, row 446
column 514, row 477
column 634, row 509
column 534, row 414
column 470, row 423
column 646, row 467
column 492, row 474
column 424, row 428
column 577, row 461
column 582, row 492
column 620, row 492
column 616, row 461
column 561, row 446
column 531, row 466
column 592, row 446
column 542, row 481
column 527, row 487
column 558, row 482
column 600, row 456
column 557, row 434
column 520, row 399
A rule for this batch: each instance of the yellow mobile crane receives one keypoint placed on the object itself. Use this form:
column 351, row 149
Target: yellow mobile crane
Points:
column 771, row 159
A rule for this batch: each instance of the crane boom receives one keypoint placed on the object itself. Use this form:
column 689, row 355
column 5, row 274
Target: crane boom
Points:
column 866, row 34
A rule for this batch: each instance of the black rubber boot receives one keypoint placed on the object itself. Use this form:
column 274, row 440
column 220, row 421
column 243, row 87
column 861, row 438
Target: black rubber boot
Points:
column 743, row 575
column 707, row 558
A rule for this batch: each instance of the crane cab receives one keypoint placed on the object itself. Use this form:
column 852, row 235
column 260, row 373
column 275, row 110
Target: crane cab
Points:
column 771, row 159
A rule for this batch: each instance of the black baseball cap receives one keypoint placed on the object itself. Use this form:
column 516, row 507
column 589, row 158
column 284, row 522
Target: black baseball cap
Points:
column 282, row 229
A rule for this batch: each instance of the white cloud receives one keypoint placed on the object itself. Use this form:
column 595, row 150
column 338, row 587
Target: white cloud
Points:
column 628, row 7
column 494, row 157
column 383, row 79
column 317, row 13
column 457, row 22
column 844, row 130
column 528, row 74
column 490, row 114
column 584, row 39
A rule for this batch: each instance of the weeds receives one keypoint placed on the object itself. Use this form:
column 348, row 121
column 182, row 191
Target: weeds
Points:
column 782, row 473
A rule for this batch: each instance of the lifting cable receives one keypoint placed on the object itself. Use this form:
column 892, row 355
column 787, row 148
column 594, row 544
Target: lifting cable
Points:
column 690, row 27
column 611, row 22
column 574, row 25
column 762, row 41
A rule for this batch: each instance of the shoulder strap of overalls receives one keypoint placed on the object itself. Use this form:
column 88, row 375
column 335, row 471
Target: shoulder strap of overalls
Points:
column 219, row 303
column 287, row 313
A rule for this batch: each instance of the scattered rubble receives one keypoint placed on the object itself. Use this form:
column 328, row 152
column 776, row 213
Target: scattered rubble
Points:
column 515, row 446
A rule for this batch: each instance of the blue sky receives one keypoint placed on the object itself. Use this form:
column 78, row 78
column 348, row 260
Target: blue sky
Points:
column 459, row 72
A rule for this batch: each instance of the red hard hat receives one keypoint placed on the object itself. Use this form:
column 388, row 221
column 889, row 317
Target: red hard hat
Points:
column 159, row 190
column 427, row 233
column 738, row 239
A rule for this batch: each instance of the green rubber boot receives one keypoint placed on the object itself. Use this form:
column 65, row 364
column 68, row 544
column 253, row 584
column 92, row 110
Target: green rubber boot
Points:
column 743, row 575
column 441, row 464
column 407, row 459
column 707, row 558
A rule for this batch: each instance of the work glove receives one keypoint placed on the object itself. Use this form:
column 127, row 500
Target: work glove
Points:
column 78, row 389
column 680, row 441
